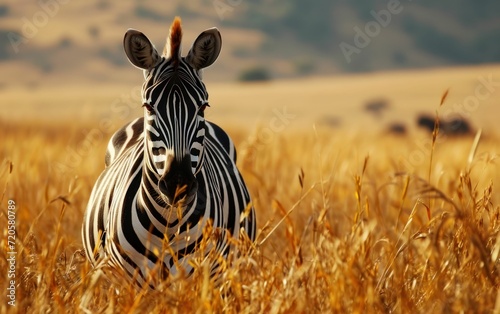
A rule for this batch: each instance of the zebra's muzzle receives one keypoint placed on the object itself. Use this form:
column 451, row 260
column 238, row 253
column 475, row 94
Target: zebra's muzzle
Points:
column 178, row 182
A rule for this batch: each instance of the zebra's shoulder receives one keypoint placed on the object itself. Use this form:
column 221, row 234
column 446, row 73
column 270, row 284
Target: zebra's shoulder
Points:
column 219, row 136
column 128, row 135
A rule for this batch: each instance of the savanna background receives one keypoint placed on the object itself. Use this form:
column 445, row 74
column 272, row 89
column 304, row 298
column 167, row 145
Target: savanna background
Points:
column 359, row 209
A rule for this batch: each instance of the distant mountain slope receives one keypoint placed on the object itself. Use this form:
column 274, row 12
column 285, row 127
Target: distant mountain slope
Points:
column 54, row 39
column 398, row 33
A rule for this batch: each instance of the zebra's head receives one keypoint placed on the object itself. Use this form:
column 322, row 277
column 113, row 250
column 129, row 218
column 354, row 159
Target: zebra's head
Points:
column 174, row 99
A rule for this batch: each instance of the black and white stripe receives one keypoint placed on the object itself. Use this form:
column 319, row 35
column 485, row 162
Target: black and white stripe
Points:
column 168, row 174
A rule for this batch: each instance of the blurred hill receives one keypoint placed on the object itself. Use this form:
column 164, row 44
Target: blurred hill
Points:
column 64, row 42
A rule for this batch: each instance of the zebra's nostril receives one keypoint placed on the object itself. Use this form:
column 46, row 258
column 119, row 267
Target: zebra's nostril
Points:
column 176, row 188
column 176, row 192
column 178, row 180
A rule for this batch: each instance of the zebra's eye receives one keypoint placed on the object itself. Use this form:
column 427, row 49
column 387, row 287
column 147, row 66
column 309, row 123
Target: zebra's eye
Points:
column 203, row 107
column 149, row 108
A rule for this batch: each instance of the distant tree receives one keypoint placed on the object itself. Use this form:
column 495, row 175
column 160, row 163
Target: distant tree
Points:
column 331, row 121
column 304, row 67
column 397, row 128
column 455, row 126
column 4, row 10
column 65, row 42
column 6, row 50
column 255, row 74
column 94, row 31
column 377, row 106
column 103, row 5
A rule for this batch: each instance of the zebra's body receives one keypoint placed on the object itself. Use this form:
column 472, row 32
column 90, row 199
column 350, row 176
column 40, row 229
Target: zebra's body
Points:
column 167, row 174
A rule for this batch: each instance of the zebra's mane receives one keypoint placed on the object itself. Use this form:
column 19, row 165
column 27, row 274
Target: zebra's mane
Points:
column 173, row 47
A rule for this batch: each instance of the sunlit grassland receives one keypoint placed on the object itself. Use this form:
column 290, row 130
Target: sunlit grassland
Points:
column 351, row 219
column 348, row 222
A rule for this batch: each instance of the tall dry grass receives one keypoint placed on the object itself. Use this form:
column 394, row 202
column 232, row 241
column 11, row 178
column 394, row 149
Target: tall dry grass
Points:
column 347, row 223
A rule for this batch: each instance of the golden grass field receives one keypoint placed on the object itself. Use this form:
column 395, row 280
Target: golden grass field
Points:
column 350, row 219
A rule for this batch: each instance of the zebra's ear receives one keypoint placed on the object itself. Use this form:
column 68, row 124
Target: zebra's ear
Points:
column 140, row 51
column 205, row 49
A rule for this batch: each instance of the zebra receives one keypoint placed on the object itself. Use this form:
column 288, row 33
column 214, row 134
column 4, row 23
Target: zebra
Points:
column 170, row 175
